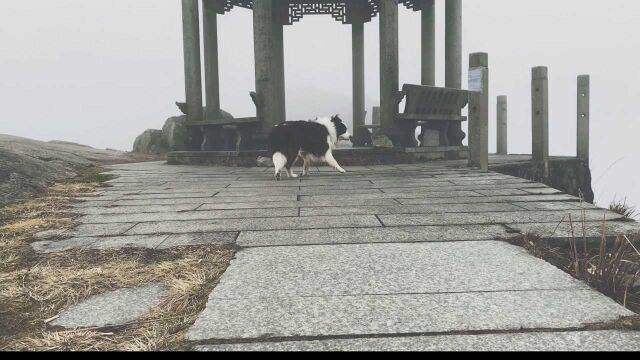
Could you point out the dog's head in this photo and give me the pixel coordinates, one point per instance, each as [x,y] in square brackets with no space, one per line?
[341,129]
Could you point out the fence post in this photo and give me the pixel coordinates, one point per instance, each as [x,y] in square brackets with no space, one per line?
[583,117]
[540,116]
[502,138]
[479,111]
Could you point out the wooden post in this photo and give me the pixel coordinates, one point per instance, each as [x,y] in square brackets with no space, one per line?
[540,116]
[502,138]
[389,68]
[192,63]
[584,114]
[479,111]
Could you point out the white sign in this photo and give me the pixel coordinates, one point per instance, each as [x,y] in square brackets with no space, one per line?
[475,79]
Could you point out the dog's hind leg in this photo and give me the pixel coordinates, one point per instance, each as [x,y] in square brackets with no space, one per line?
[289,165]
[305,167]
[331,161]
[279,162]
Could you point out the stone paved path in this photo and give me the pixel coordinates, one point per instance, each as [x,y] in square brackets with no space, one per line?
[405,257]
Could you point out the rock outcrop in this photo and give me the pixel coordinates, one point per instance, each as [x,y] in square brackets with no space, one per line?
[29,166]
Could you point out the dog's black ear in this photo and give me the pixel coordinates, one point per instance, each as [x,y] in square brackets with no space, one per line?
[336,118]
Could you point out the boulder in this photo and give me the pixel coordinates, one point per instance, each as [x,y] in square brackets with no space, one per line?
[174,136]
[176,133]
[150,142]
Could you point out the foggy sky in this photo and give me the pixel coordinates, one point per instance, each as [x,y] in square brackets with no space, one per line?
[100,72]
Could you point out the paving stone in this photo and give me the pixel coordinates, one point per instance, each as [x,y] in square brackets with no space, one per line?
[112,308]
[407,209]
[119,242]
[501,192]
[189,215]
[184,190]
[90,230]
[304,183]
[136,209]
[294,204]
[180,227]
[516,217]
[489,199]
[551,205]
[176,196]
[613,341]
[55,234]
[541,191]
[263,317]
[62,245]
[423,195]
[372,235]
[257,192]
[215,238]
[100,199]
[234,198]
[381,269]
[210,200]
[403,188]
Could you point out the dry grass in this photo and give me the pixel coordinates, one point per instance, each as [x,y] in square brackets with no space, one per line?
[34,288]
[64,279]
[622,208]
[612,267]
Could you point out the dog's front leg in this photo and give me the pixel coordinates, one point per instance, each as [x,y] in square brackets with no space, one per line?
[333,163]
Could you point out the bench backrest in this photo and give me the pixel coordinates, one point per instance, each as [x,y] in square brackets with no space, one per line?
[433,100]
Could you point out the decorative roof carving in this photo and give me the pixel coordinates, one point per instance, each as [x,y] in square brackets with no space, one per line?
[345,11]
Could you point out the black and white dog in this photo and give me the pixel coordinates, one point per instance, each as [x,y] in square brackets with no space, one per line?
[310,140]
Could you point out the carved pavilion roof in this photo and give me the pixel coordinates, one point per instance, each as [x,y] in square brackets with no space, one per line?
[345,11]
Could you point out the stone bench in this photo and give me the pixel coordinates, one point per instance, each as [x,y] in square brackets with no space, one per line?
[434,109]
[226,133]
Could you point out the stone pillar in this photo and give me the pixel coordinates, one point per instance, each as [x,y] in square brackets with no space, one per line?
[389,68]
[540,115]
[357,44]
[479,111]
[278,38]
[453,44]
[584,114]
[453,57]
[428,43]
[269,62]
[502,116]
[192,64]
[211,75]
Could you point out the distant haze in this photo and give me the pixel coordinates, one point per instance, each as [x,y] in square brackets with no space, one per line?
[100,72]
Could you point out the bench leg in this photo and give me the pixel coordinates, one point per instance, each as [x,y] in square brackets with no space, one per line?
[409,130]
[455,135]
[444,135]
[360,137]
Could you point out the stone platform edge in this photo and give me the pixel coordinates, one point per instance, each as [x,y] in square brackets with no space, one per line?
[345,156]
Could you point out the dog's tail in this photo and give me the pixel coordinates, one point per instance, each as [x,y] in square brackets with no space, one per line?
[264,161]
